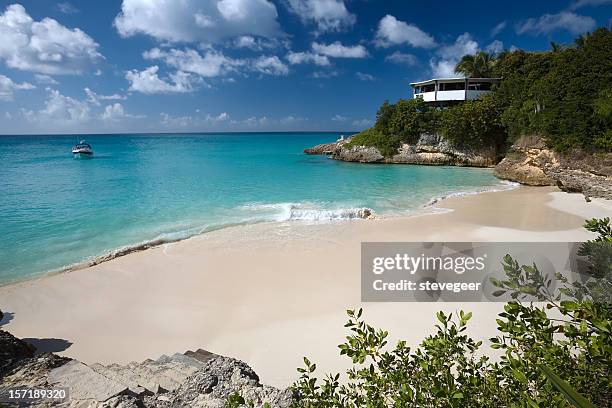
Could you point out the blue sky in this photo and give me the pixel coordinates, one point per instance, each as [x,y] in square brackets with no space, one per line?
[247,65]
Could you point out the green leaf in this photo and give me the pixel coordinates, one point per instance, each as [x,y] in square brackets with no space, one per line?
[570,394]
[519,376]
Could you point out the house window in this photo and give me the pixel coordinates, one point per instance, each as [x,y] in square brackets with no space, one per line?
[480,86]
[429,88]
[452,86]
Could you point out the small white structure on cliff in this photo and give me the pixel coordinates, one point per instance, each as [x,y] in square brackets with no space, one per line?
[446,91]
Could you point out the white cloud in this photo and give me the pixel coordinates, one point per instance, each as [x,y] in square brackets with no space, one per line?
[67,8]
[211,64]
[392,31]
[364,77]
[443,68]
[307,57]
[574,23]
[463,45]
[495,47]
[339,118]
[582,3]
[402,58]
[327,15]
[258,43]
[8,87]
[270,66]
[45,79]
[324,74]
[193,121]
[362,123]
[60,110]
[205,21]
[176,121]
[254,121]
[95,98]
[337,50]
[291,119]
[115,112]
[44,46]
[246,41]
[450,54]
[148,82]
[498,28]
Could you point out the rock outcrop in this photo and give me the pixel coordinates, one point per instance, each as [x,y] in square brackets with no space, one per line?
[525,164]
[325,148]
[12,351]
[193,379]
[530,162]
[431,149]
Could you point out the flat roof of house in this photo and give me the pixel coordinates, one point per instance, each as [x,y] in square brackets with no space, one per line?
[455,79]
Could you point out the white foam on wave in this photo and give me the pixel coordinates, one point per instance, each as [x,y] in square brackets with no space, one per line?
[504,185]
[281,212]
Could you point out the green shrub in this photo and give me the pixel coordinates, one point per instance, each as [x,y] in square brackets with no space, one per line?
[402,122]
[547,361]
[474,123]
[387,145]
[560,94]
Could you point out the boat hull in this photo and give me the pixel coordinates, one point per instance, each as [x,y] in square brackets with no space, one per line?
[82,155]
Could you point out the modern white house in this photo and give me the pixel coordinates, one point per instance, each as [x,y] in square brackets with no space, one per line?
[446,91]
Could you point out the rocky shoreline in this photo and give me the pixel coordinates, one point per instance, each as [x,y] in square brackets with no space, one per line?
[528,162]
[192,379]
[430,149]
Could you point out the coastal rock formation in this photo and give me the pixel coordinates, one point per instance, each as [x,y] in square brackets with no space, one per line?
[431,149]
[12,350]
[325,148]
[194,379]
[530,162]
[525,164]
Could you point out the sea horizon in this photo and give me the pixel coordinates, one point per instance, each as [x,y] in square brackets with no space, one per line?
[352,132]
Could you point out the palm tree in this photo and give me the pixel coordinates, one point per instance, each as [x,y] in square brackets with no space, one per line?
[479,65]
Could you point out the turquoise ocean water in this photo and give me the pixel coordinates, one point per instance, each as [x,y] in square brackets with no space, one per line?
[56,211]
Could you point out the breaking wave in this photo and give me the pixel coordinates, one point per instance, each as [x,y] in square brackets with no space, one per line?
[305,212]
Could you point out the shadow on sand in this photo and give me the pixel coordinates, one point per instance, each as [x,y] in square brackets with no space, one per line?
[6,317]
[50,345]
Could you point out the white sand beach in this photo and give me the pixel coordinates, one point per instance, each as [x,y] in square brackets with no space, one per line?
[271,293]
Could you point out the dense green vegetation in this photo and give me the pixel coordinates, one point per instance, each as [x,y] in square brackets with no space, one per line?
[474,123]
[563,95]
[479,65]
[556,353]
[401,122]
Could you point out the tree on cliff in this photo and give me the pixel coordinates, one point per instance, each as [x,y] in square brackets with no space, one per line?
[479,65]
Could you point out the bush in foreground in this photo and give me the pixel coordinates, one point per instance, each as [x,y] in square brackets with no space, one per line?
[559,361]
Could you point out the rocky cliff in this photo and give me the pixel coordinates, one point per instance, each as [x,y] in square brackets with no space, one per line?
[431,149]
[193,379]
[530,162]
